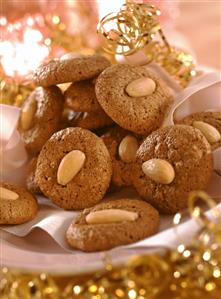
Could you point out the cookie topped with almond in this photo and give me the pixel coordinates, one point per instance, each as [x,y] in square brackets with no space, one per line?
[74,169]
[17,205]
[40,117]
[134,97]
[122,146]
[111,224]
[209,123]
[170,163]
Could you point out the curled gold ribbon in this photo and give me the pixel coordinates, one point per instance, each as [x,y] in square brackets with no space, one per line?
[136,27]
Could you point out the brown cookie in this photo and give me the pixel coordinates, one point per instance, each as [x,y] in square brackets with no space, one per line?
[40,117]
[134,97]
[171,162]
[207,117]
[111,224]
[91,120]
[17,205]
[74,169]
[31,183]
[66,118]
[122,146]
[80,97]
[70,70]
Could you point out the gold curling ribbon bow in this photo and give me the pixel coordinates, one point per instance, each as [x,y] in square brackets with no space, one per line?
[134,27]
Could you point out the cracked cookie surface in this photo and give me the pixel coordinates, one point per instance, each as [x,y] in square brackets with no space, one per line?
[18,210]
[69,70]
[89,185]
[188,152]
[142,114]
[45,120]
[97,237]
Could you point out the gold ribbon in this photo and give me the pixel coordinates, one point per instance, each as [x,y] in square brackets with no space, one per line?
[136,27]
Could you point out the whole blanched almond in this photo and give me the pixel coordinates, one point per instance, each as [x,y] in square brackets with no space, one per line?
[110,216]
[64,86]
[27,115]
[159,170]
[7,194]
[70,55]
[127,148]
[141,87]
[69,166]
[210,132]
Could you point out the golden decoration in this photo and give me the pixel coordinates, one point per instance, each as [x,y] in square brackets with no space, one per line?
[14,92]
[59,37]
[136,27]
[188,271]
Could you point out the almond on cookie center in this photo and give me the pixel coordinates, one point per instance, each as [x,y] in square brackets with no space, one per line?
[141,87]
[7,194]
[69,166]
[110,216]
[209,131]
[127,149]
[27,115]
[159,170]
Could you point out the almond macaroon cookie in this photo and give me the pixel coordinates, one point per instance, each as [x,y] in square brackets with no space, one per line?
[209,123]
[122,146]
[134,97]
[170,163]
[91,120]
[81,97]
[40,117]
[69,69]
[114,223]
[31,183]
[74,169]
[17,205]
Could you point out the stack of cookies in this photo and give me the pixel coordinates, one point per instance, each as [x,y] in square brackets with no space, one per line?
[103,133]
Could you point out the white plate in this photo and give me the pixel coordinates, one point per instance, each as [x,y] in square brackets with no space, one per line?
[24,254]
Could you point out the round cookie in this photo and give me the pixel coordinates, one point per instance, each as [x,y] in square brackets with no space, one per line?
[209,117]
[122,146]
[142,111]
[88,236]
[170,163]
[74,169]
[31,183]
[17,205]
[80,97]
[69,70]
[91,120]
[40,117]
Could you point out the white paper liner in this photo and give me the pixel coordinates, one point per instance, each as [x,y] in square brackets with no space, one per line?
[13,156]
[202,94]
[55,222]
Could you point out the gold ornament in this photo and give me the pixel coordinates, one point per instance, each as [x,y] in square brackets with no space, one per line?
[13,92]
[59,37]
[134,28]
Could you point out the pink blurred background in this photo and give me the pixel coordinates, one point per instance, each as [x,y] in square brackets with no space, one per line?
[198,20]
